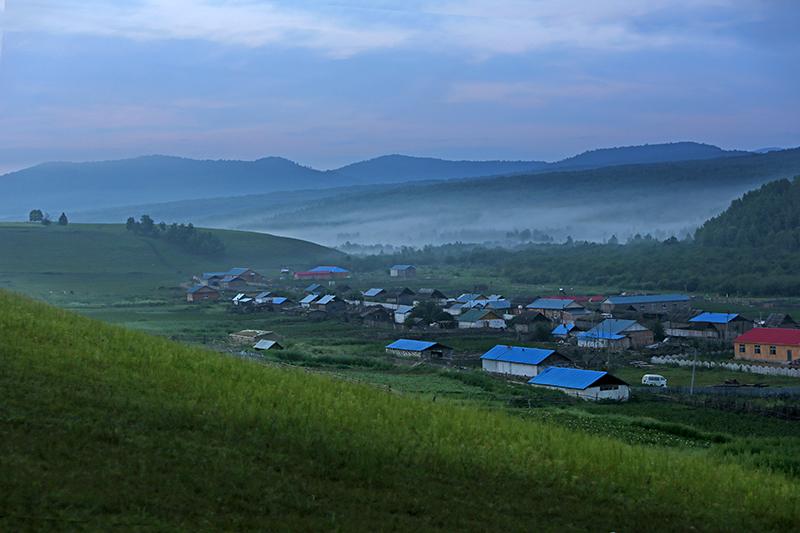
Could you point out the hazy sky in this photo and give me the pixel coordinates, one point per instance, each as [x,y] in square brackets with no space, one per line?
[326,83]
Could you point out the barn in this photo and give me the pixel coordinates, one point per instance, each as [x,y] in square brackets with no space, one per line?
[201,293]
[584,384]
[403,271]
[521,361]
[413,348]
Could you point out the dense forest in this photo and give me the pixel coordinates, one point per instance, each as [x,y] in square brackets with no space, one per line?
[750,249]
[768,217]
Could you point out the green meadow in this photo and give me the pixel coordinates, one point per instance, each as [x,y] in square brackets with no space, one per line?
[102,427]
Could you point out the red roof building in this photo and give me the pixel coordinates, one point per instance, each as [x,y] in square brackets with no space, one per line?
[776,345]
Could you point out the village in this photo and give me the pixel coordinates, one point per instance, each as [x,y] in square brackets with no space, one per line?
[582,332]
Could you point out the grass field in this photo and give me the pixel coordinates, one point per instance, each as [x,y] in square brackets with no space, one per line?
[105,263]
[105,427]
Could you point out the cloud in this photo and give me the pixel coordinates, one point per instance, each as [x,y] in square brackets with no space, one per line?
[533,94]
[243,23]
[478,27]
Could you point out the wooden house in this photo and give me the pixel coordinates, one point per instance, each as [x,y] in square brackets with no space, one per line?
[528,321]
[557,309]
[647,304]
[418,349]
[399,296]
[616,334]
[329,304]
[775,345]
[202,293]
[713,326]
[403,271]
[481,318]
[780,320]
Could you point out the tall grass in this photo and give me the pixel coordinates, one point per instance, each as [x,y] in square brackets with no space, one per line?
[102,425]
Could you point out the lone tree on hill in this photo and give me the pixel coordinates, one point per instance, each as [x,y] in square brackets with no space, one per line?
[62,220]
[35,215]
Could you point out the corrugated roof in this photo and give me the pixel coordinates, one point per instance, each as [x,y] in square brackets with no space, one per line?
[403,309]
[469,296]
[556,304]
[517,354]
[402,267]
[262,295]
[265,344]
[568,378]
[331,269]
[237,271]
[784,336]
[308,299]
[600,335]
[474,315]
[613,325]
[207,275]
[647,299]
[279,300]
[563,329]
[414,346]
[328,298]
[375,291]
[196,288]
[714,318]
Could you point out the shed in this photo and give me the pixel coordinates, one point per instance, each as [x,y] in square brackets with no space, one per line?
[521,361]
[584,384]
[414,348]
[402,313]
[267,345]
[403,271]
[374,292]
[308,300]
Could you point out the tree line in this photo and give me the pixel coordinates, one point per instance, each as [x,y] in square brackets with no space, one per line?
[185,236]
[37,215]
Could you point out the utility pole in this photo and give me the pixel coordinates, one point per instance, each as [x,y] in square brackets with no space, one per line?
[694,364]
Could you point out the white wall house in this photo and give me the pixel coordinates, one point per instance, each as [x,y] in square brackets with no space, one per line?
[520,361]
[584,384]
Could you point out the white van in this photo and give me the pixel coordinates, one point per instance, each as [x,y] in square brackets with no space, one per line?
[654,380]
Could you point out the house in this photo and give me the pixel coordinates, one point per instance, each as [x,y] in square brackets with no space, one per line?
[470,296]
[329,304]
[616,334]
[403,271]
[399,296]
[262,297]
[202,293]
[713,326]
[267,345]
[377,315]
[402,313]
[481,318]
[521,361]
[323,272]
[456,309]
[251,336]
[373,293]
[563,331]
[248,275]
[412,348]
[775,345]
[308,300]
[584,384]
[651,304]
[557,309]
[279,303]
[239,275]
[527,322]
[434,295]
[314,288]
[780,320]
[234,283]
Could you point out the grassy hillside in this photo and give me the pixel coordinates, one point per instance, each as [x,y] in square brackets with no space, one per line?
[106,257]
[103,427]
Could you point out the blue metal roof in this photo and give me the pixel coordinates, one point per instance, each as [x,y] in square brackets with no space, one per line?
[402,267]
[196,288]
[237,271]
[647,299]
[568,378]
[468,297]
[373,291]
[412,345]
[208,275]
[556,304]
[308,299]
[517,354]
[563,329]
[332,269]
[600,335]
[498,304]
[328,298]
[612,325]
[279,300]
[714,318]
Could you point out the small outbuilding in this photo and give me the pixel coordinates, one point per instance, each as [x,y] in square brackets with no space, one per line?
[264,345]
[521,361]
[403,271]
[414,348]
[584,384]
[251,336]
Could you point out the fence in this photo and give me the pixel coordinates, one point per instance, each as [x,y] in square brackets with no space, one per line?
[684,361]
[753,392]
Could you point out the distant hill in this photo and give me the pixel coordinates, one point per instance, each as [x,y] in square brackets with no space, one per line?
[115,429]
[766,217]
[664,199]
[648,153]
[407,168]
[72,187]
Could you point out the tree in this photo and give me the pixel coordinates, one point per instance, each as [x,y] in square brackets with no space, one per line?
[658,331]
[130,224]
[62,220]
[36,215]
[46,220]
[613,240]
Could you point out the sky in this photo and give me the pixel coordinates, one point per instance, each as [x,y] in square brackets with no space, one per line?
[327,83]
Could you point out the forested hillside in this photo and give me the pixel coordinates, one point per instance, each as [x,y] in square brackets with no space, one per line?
[766,217]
